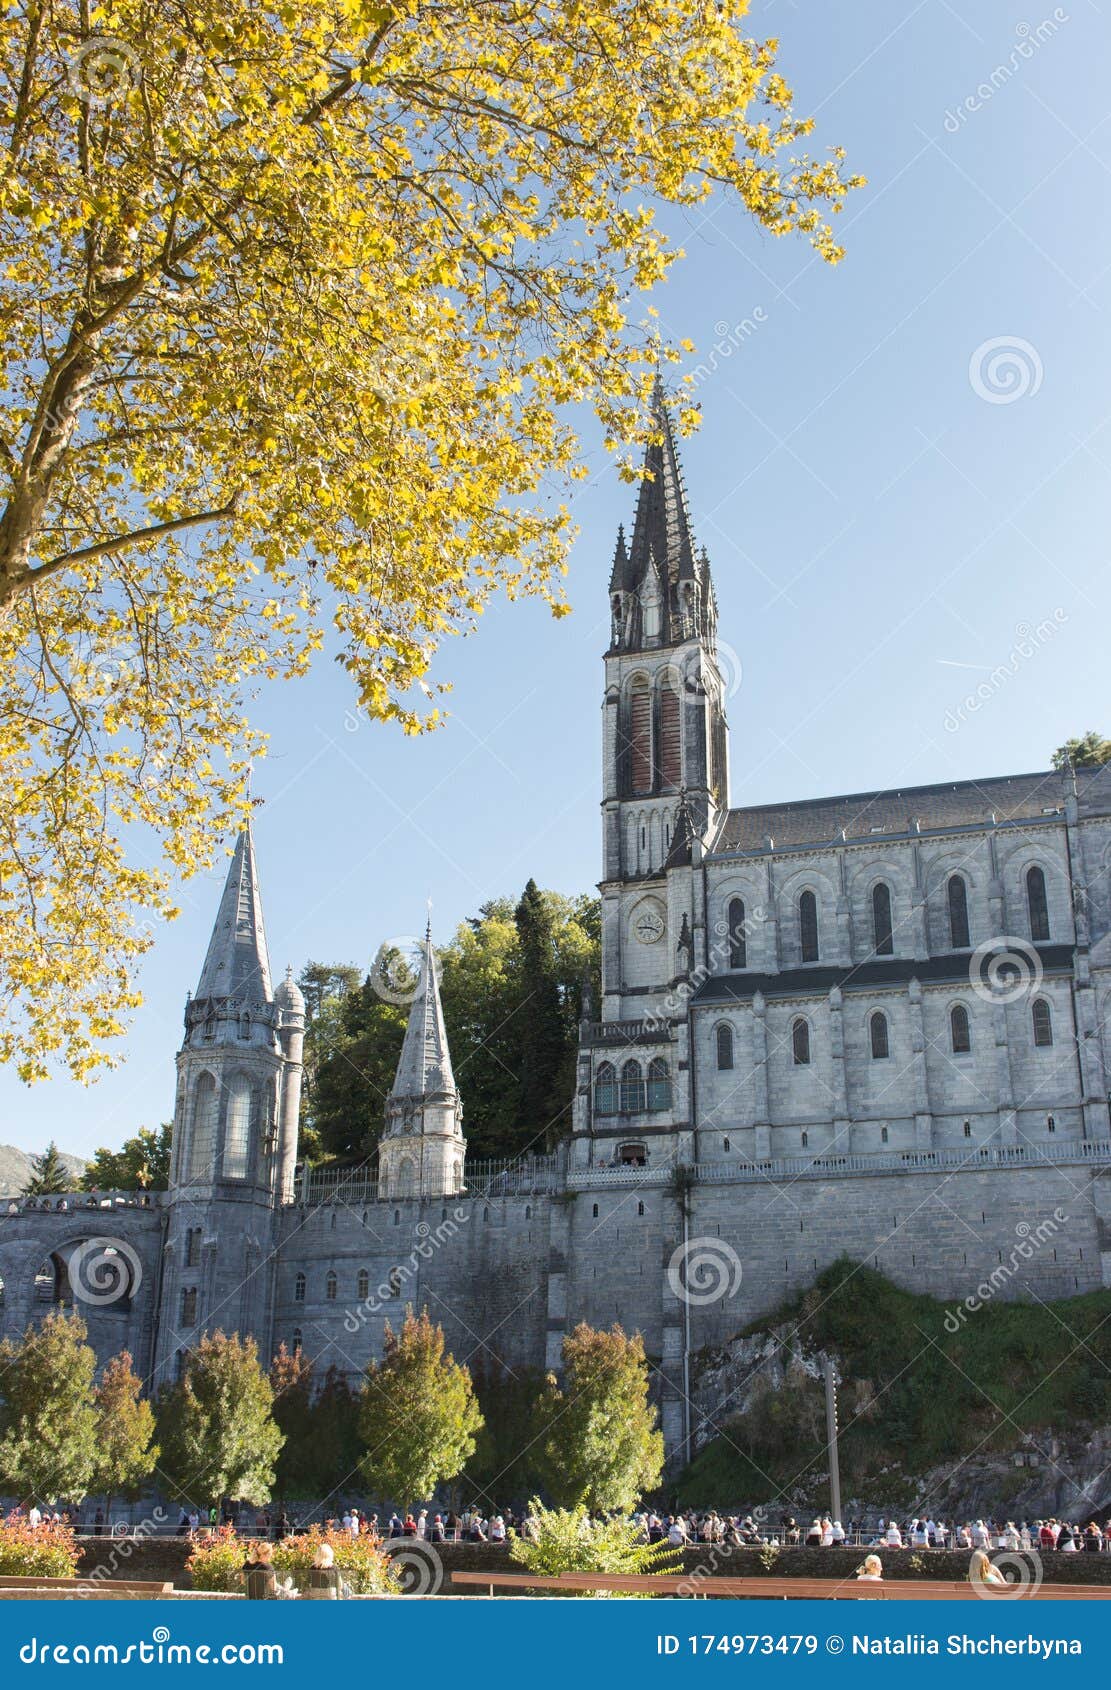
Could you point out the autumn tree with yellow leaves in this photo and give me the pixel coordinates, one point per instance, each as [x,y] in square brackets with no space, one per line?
[295,301]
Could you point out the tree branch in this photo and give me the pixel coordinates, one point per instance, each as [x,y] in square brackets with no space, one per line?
[135,538]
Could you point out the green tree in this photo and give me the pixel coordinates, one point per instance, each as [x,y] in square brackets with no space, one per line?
[216,1426]
[506,1458]
[126,1453]
[49,1174]
[291,1380]
[141,1163]
[419,1414]
[569,1541]
[543,1053]
[600,1446]
[48,1421]
[1090,751]
[352,1048]
[489,991]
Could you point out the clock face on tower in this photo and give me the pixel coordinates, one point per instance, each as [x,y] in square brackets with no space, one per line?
[648,926]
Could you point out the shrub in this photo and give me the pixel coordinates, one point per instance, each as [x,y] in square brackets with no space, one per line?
[567,1540]
[359,1559]
[49,1551]
[217,1560]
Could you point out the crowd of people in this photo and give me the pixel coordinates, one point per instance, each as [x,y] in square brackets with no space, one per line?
[890,1533]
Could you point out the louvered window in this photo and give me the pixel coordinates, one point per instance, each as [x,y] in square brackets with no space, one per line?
[640,740]
[671,768]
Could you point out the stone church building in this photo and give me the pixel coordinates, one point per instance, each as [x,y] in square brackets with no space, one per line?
[872,1025]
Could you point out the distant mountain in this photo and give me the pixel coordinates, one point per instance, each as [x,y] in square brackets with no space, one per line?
[16,1170]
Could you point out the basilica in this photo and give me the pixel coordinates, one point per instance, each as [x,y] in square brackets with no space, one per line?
[871,1025]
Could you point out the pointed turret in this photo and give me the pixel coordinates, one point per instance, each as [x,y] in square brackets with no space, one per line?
[421,1152]
[425,1064]
[237,965]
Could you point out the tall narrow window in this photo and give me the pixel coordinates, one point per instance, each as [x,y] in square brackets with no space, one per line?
[738,944]
[363,1285]
[193,1247]
[659,1084]
[299,1288]
[877,1028]
[725,1047]
[1036,903]
[331,1285]
[632,1089]
[958,913]
[960,1036]
[203,1139]
[640,738]
[237,1133]
[882,936]
[800,1043]
[671,765]
[189,1306]
[808,927]
[1043,1022]
[298,1341]
[605,1090]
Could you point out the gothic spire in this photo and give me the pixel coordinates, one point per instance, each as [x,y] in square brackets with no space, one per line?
[424,1067]
[237,965]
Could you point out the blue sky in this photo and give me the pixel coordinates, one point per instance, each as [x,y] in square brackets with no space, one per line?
[901,477]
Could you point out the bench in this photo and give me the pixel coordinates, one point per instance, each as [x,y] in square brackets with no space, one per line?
[87,1586]
[778,1589]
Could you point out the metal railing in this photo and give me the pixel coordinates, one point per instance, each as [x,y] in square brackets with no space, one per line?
[359,1184]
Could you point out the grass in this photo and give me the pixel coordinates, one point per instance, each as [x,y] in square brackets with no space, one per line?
[914,1392]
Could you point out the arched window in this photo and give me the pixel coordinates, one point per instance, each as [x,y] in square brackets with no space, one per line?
[877,1028]
[671,766]
[968,1129]
[738,944]
[725,1047]
[244,1026]
[605,1090]
[331,1286]
[640,738]
[1036,903]
[958,913]
[632,1089]
[808,927]
[882,936]
[298,1341]
[632,1156]
[800,1042]
[883,1135]
[960,1034]
[364,1285]
[299,1288]
[202,1142]
[189,1306]
[659,1084]
[237,1133]
[1050,1124]
[805,1141]
[1043,1022]
[193,1246]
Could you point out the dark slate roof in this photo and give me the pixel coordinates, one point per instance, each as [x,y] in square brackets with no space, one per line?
[861,976]
[965,803]
[662,526]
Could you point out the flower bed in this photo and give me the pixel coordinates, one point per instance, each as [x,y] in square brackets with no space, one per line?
[217,1560]
[26,1552]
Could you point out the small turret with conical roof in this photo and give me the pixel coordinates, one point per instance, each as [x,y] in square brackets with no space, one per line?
[421,1153]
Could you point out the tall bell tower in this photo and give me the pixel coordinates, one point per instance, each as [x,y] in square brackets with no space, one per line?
[665,787]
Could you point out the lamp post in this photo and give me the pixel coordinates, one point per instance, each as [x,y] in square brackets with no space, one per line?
[831,1437]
